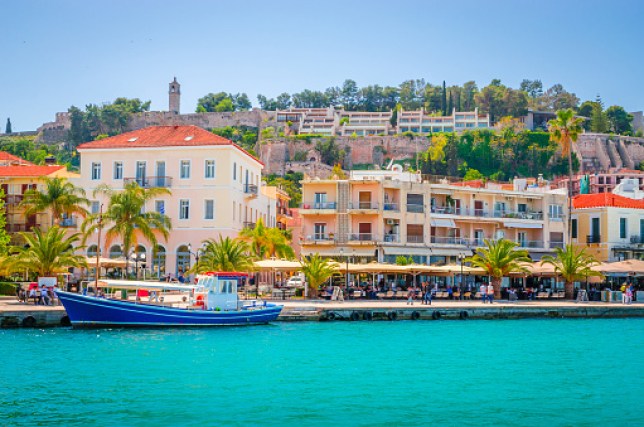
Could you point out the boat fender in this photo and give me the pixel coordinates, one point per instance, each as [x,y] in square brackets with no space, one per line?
[436,315]
[415,315]
[355,316]
[161,299]
[64,321]
[29,322]
[392,315]
[331,316]
[367,315]
[464,315]
[184,299]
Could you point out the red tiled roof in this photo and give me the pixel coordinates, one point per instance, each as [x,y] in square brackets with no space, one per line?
[163,136]
[605,199]
[28,170]
[6,157]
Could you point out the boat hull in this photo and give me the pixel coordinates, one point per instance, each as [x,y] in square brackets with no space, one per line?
[88,311]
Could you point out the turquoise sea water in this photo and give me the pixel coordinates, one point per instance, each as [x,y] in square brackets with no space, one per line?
[523,372]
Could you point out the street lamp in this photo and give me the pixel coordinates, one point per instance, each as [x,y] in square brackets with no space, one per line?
[196,254]
[346,272]
[135,257]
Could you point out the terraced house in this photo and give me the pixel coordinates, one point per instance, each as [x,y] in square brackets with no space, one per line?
[379,215]
[216,188]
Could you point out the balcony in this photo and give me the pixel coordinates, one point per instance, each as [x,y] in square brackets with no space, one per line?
[556,245]
[363,206]
[415,239]
[13,199]
[530,244]
[361,238]
[392,238]
[443,240]
[414,208]
[636,240]
[391,207]
[250,190]
[319,239]
[71,222]
[311,206]
[151,181]
[518,215]
[593,239]
[448,210]
[16,228]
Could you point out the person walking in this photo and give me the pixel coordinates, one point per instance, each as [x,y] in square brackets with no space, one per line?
[629,294]
[483,292]
[623,289]
[490,293]
[411,293]
[427,297]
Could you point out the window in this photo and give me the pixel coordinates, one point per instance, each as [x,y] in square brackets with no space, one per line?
[210,169]
[159,206]
[573,228]
[235,171]
[95,206]
[184,209]
[118,170]
[320,231]
[96,171]
[622,228]
[140,173]
[185,169]
[555,211]
[209,209]
[415,203]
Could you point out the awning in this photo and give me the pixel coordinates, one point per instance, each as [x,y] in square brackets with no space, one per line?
[330,252]
[522,225]
[441,222]
[406,251]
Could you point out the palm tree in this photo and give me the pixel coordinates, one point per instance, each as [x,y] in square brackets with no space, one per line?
[225,254]
[317,271]
[572,264]
[267,242]
[46,252]
[126,216]
[59,196]
[564,130]
[499,258]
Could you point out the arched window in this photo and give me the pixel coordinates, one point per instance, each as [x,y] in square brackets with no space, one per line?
[158,261]
[91,251]
[116,251]
[183,259]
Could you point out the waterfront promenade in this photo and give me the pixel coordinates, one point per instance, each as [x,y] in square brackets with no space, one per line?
[15,314]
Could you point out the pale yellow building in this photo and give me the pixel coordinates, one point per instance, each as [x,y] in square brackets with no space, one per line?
[379,215]
[216,188]
[610,226]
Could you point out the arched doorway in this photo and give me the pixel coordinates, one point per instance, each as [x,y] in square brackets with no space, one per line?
[158,261]
[183,259]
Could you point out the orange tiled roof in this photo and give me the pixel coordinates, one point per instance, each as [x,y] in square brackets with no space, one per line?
[6,157]
[28,170]
[163,136]
[605,199]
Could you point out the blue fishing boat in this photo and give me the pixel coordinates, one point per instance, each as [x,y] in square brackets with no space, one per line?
[213,301]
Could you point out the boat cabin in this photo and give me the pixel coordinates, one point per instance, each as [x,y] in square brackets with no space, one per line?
[220,289]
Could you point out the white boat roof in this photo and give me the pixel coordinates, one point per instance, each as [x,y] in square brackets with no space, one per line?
[139,284]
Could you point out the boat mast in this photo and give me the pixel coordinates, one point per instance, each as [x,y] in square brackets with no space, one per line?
[98,247]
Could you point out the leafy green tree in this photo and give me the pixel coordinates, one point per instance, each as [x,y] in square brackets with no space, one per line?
[4,236]
[225,254]
[226,104]
[7,129]
[499,259]
[125,216]
[534,88]
[291,183]
[266,242]
[222,102]
[403,260]
[572,264]
[317,271]
[472,175]
[59,196]
[619,120]
[564,130]
[46,252]
[329,152]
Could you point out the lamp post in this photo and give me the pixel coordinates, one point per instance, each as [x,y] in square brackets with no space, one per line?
[196,254]
[346,272]
[143,259]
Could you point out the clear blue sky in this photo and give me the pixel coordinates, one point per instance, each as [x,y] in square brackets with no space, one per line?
[61,53]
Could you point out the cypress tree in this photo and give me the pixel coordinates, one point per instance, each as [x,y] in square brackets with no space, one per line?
[8,127]
[450,105]
[444,100]
[598,120]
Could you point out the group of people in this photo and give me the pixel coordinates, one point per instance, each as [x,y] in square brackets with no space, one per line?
[487,293]
[627,292]
[44,296]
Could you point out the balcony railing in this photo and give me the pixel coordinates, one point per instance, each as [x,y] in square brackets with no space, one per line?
[415,208]
[151,181]
[392,207]
[414,239]
[530,244]
[392,238]
[363,205]
[361,237]
[319,237]
[250,189]
[249,225]
[13,199]
[593,238]
[449,240]
[557,244]
[71,222]
[15,228]
[518,215]
[321,205]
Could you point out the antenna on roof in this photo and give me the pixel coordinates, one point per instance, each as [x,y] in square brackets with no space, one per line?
[391,162]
